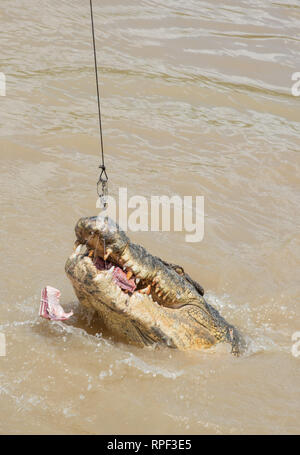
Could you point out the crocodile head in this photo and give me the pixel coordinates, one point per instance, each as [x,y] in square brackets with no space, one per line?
[140,297]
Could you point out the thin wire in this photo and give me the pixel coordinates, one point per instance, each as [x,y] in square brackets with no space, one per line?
[97,85]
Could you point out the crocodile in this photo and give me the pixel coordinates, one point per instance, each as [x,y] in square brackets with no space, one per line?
[141,298]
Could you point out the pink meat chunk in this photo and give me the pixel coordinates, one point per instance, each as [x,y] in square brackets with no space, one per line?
[119,276]
[122,281]
[50,307]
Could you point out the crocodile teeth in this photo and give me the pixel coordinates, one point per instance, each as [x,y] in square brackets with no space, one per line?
[146,290]
[129,275]
[110,271]
[79,248]
[76,245]
[107,254]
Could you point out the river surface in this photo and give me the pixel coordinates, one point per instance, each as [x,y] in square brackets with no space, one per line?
[196,100]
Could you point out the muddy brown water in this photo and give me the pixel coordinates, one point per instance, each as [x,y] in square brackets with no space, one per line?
[196,100]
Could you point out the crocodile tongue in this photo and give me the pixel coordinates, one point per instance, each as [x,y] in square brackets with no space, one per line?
[119,276]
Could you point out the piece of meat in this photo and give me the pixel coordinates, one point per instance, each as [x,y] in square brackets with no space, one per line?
[119,276]
[50,307]
[122,281]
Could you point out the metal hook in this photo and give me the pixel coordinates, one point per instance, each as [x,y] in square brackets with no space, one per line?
[102,187]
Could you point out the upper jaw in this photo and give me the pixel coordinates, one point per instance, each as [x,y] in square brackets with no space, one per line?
[85,227]
[103,235]
[102,226]
[87,234]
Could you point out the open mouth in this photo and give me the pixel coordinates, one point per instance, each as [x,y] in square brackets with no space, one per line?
[123,277]
[125,280]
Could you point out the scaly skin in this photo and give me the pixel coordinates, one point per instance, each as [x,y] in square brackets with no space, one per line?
[174,313]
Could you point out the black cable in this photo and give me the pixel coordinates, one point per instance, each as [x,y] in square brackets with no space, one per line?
[103,176]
